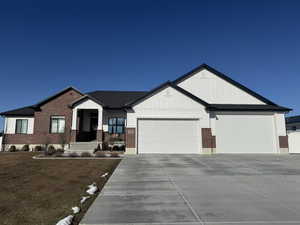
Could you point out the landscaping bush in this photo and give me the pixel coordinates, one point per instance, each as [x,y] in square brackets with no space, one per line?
[99,154]
[114,154]
[115,148]
[38,148]
[105,146]
[98,148]
[73,154]
[86,154]
[12,148]
[122,148]
[25,148]
[58,154]
[50,150]
[60,150]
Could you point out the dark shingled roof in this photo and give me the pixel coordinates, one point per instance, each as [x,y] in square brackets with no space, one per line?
[24,111]
[292,119]
[116,99]
[246,107]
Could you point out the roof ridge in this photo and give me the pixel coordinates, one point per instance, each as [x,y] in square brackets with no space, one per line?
[114,91]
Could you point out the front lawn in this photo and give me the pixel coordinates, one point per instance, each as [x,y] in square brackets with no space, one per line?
[40,192]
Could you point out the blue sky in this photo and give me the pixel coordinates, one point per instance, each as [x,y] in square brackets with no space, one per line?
[46,46]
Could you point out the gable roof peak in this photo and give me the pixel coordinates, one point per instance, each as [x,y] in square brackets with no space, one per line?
[224,77]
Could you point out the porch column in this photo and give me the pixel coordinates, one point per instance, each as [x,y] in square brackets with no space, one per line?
[74,125]
[100,129]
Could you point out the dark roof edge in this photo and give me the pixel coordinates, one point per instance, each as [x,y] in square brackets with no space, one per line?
[224,77]
[56,95]
[188,94]
[241,107]
[134,102]
[11,113]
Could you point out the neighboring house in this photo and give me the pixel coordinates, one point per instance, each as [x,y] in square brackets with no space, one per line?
[293,131]
[203,111]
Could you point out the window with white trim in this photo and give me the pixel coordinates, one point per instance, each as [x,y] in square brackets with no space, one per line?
[21,126]
[57,124]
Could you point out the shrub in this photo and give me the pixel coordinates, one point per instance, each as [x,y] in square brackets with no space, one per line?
[99,154]
[86,154]
[114,154]
[12,148]
[98,148]
[50,150]
[25,148]
[122,148]
[73,155]
[38,148]
[115,148]
[105,146]
[58,154]
[60,150]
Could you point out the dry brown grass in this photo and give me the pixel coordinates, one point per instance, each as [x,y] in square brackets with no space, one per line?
[40,192]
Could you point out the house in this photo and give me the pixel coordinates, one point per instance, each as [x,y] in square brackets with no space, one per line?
[203,111]
[293,131]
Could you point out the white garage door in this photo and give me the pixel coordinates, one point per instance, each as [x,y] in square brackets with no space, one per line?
[245,134]
[294,142]
[169,136]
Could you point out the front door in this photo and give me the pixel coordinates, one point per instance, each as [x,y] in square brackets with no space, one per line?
[93,128]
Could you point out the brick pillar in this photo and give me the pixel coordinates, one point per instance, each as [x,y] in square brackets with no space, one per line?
[284,144]
[73,135]
[208,141]
[130,141]
[99,135]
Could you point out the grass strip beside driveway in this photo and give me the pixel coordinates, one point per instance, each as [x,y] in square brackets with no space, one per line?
[41,192]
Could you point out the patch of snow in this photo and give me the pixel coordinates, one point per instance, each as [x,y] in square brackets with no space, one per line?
[66,221]
[105,175]
[84,198]
[76,209]
[92,189]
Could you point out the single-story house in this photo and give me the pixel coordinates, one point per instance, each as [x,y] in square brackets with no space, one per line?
[293,131]
[203,111]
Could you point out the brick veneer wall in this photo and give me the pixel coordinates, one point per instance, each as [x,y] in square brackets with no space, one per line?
[283,141]
[208,140]
[130,137]
[41,134]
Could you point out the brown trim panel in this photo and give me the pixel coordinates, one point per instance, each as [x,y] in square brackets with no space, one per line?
[208,140]
[283,141]
[130,137]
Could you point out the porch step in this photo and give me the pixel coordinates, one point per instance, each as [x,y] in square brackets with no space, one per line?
[80,147]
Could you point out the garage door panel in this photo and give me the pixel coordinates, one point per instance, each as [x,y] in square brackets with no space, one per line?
[168,136]
[241,134]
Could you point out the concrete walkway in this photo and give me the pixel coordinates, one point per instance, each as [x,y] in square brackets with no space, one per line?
[193,189]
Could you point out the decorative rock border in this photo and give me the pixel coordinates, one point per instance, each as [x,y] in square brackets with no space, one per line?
[67,157]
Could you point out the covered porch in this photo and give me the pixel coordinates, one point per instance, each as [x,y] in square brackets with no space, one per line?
[94,123]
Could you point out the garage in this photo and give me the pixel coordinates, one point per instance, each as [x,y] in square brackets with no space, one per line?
[294,141]
[169,136]
[245,134]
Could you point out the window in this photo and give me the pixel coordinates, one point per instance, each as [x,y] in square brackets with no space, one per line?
[21,126]
[57,124]
[116,125]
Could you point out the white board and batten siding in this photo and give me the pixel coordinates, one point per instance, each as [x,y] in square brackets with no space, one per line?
[215,90]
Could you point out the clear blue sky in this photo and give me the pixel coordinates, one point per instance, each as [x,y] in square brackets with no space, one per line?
[46,46]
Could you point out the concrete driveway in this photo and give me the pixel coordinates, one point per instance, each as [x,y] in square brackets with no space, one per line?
[194,189]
